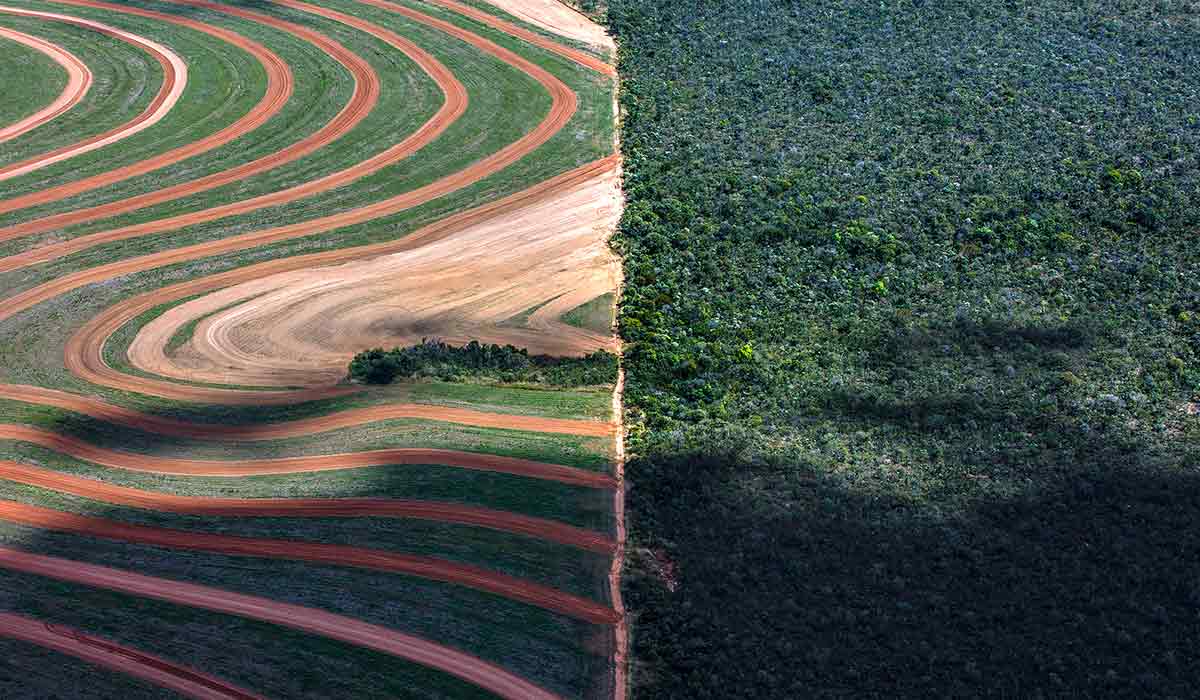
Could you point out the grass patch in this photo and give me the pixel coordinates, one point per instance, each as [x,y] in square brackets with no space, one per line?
[595,315]
[34,80]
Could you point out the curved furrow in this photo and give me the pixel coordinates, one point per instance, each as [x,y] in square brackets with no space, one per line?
[174,80]
[455,105]
[279,91]
[79,80]
[118,657]
[346,629]
[539,528]
[302,328]
[84,354]
[429,568]
[155,464]
[365,98]
[111,413]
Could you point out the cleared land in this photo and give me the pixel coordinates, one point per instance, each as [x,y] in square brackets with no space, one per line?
[182,457]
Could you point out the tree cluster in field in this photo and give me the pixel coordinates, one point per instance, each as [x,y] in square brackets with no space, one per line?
[912,324]
[475,361]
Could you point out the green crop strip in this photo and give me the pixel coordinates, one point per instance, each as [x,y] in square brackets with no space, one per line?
[321,88]
[574,505]
[28,671]
[560,566]
[32,80]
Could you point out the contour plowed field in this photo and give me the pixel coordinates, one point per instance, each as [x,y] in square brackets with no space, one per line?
[192,495]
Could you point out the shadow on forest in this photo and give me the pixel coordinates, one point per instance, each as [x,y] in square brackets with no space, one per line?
[1071,571]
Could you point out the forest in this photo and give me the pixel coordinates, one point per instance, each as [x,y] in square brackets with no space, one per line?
[912,342]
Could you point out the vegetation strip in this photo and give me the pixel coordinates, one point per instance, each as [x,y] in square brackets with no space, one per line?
[539,528]
[120,658]
[469,668]
[174,80]
[79,80]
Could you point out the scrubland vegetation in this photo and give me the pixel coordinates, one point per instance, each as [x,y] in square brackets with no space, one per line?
[912,326]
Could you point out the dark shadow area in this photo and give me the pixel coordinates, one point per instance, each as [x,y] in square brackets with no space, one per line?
[1017,553]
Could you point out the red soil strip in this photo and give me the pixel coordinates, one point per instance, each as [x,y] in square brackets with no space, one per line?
[174,80]
[474,577]
[345,629]
[581,57]
[155,464]
[119,415]
[278,92]
[120,658]
[79,79]
[365,98]
[538,528]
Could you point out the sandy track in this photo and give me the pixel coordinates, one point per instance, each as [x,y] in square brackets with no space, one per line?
[79,79]
[311,620]
[555,16]
[430,568]
[156,464]
[174,81]
[364,99]
[538,528]
[120,658]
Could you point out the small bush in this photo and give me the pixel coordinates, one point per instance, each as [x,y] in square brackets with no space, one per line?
[501,363]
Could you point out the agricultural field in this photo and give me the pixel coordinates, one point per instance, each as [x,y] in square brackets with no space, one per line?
[912,326]
[208,209]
